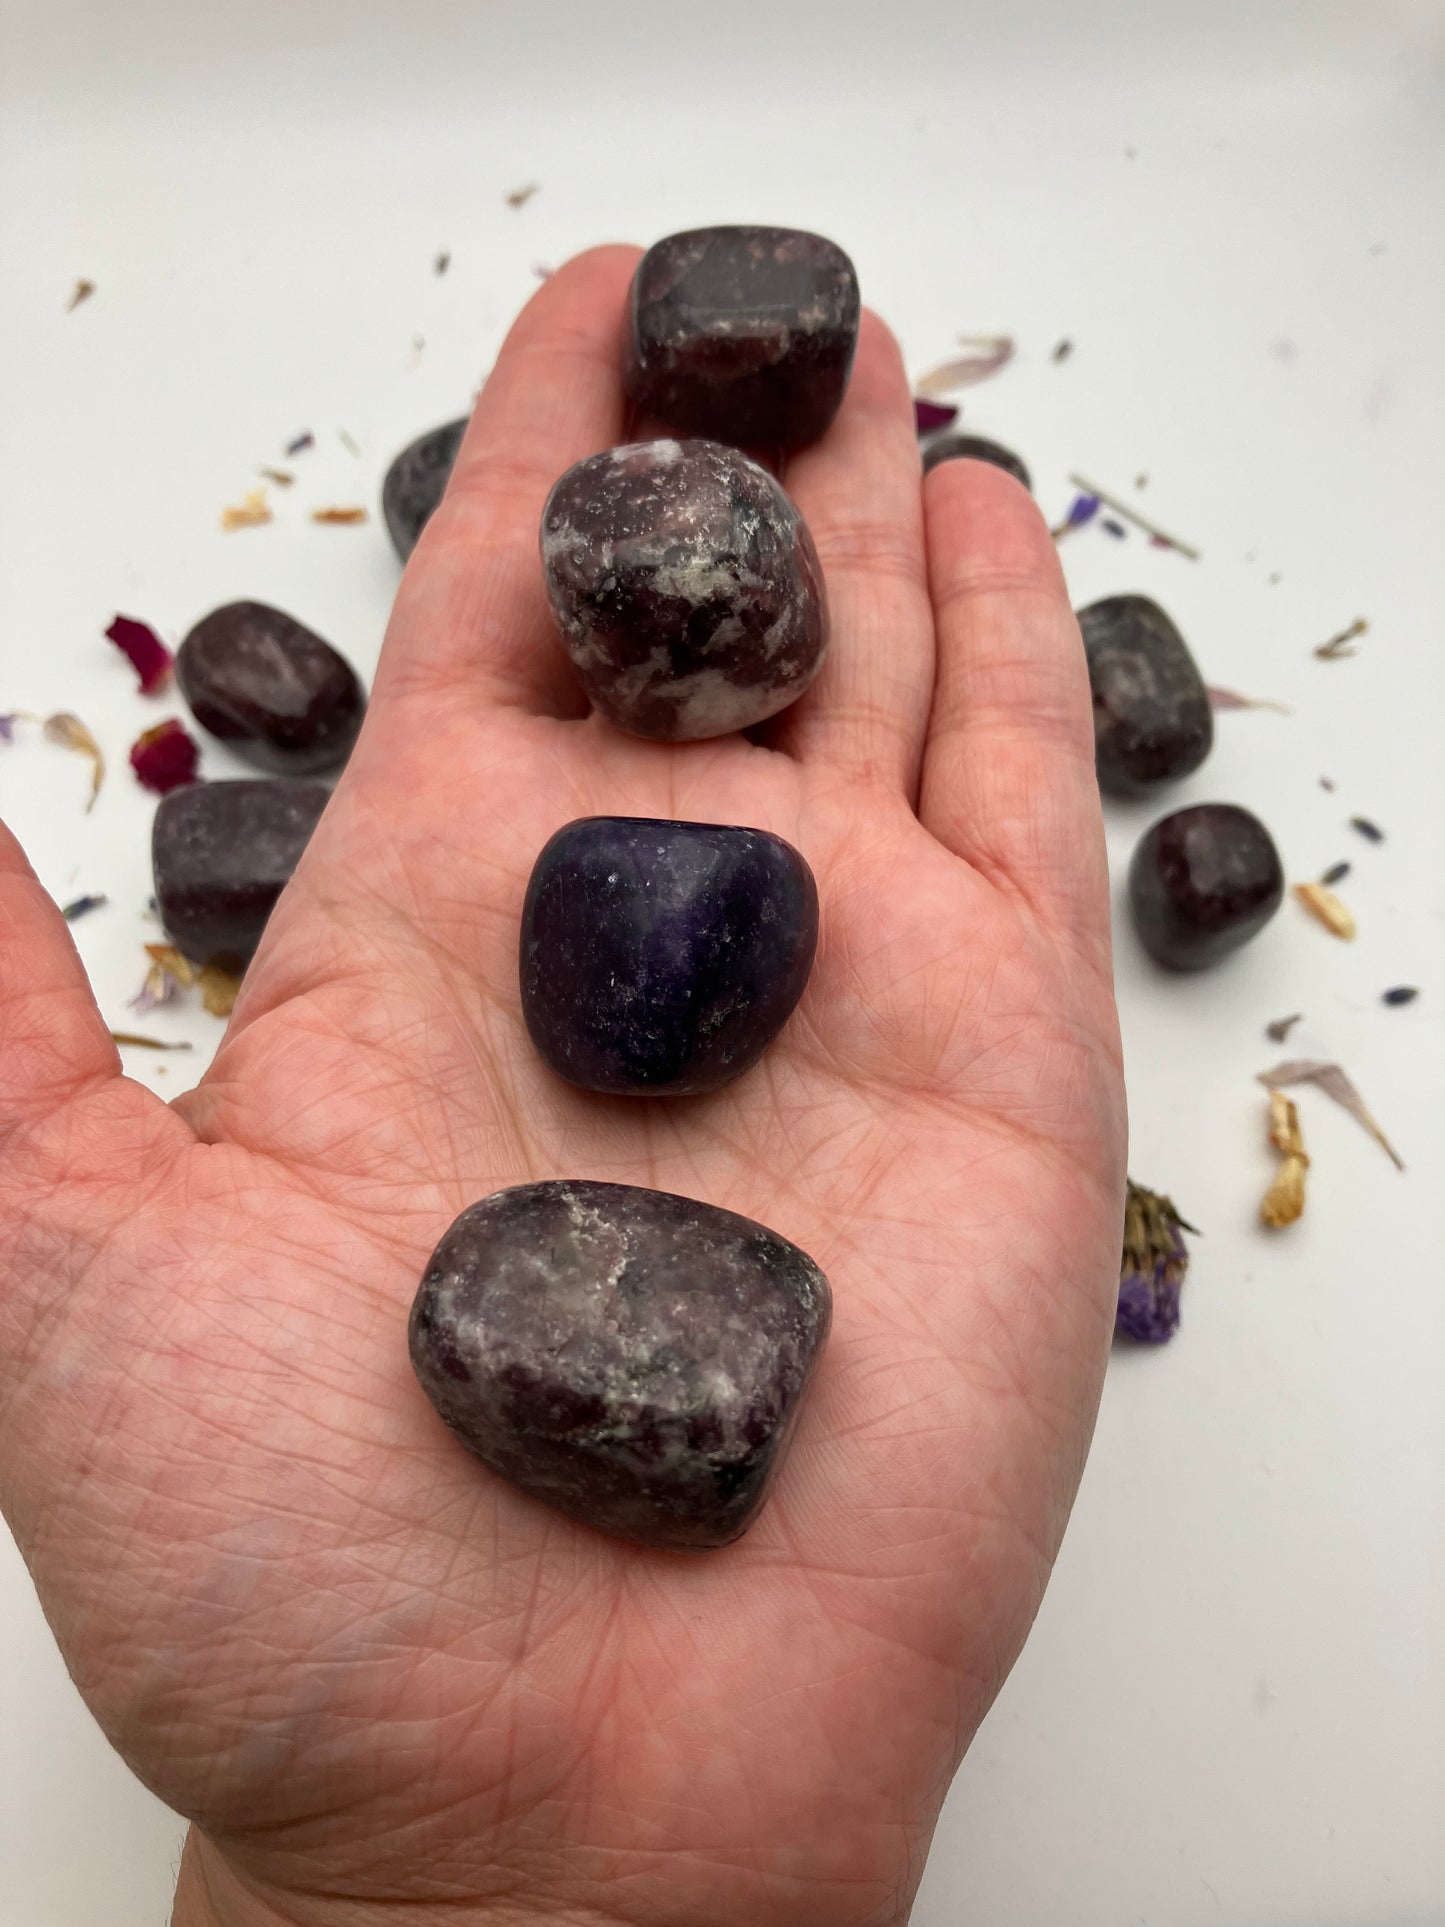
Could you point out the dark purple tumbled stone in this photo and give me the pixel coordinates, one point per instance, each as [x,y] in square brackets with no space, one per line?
[1202,882]
[1152,719]
[686,587]
[660,958]
[975,448]
[633,1358]
[745,334]
[221,854]
[416,482]
[271,688]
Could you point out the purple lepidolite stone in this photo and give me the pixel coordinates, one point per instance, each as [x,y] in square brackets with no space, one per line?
[743,333]
[1202,882]
[686,587]
[630,1357]
[271,688]
[660,958]
[222,853]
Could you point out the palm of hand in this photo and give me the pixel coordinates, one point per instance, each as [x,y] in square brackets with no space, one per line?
[305,1615]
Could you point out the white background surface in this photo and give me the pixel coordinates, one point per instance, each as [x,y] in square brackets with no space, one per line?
[1233,1705]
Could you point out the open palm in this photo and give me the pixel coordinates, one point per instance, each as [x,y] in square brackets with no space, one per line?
[375,1676]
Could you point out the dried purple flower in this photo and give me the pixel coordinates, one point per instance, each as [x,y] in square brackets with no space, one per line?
[1151,1271]
[1082,509]
[928,415]
[82,907]
[1371,832]
[166,757]
[148,655]
[1336,873]
[7,727]
[1401,994]
[299,442]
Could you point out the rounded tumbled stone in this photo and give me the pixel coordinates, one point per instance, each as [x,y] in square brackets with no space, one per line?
[662,958]
[271,689]
[1202,882]
[746,334]
[686,587]
[221,854]
[416,482]
[1152,719]
[633,1358]
[975,448]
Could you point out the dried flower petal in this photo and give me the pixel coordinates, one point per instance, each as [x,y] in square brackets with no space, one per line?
[7,726]
[1339,645]
[1323,904]
[1082,509]
[134,1038]
[169,972]
[1333,1081]
[1156,535]
[71,733]
[1152,1267]
[1282,1026]
[282,477]
[252,512]
[928,415]
[989,354]
[1284,1202]
[166,757]
[1231,699]
[82,291]
[339,517]
[520,196]
[1336,873]
[1371,832]
[299,442]
[1401,994]
[148,655]
[218,990]
[81,907]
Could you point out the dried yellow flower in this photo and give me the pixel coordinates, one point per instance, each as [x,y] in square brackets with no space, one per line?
[1285,1200]
[1324,905]
[254,510]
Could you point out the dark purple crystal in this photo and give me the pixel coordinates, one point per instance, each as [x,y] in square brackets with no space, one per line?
[662,958]
[1202,882]
[416,482]
[975,448]
[1152,718]
[686,587]
[745,334]
[271,688]
[222,853]
[633,1358]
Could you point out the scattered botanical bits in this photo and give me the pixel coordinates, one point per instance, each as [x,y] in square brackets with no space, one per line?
[301,442]
[218,990]
[1401,994]
[82,291]
[252,512]
[7,726]
[1062,350]
[282,477]
[1336,873]
[341,518]
[1284,1202]
[71,733]
[542,271]
[988,353]
[137,1042]
[1333,1081]
[1371,832]
[442,262]
[1328,783]
[1082,509]
[1116,529]
[1152,1268]
[1231,699]
[348,441]
[1156,535]
[148,655]
[1326,908]
[166,757]
[520,196]
[1339,645]
[1141,480]
[167,973]
[82,907]
[1282,1026]
[928,415]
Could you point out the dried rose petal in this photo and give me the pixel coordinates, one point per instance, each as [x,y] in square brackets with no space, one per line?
[166,757]
[928,415]
[148,655]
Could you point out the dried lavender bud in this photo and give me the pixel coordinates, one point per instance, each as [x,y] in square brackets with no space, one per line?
[1151,1271]
[1336,873]
[1371,832]
[1401,994]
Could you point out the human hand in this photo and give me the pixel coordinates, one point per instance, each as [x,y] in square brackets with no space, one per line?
[383,1684]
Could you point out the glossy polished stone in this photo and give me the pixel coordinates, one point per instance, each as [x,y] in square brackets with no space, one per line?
[632,1358]
[416,482]
[686,587]
[660,958]
[271,688]
[1152,720]
[1202,882]
[221,854]
[975,448]
[745,334]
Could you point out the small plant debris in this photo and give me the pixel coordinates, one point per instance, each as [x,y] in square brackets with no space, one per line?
[80,907]
[1326,908]
[1371,832]
[1401,994]
[1339,645]
[1282,1026]
[79,294]
[1284,1202]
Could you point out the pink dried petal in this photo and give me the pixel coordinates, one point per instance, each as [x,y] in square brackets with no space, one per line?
[166,757]
[148,655]
[987,354]
[928,415]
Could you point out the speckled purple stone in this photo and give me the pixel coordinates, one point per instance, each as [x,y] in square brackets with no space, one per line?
[975,448]
[271,688]
[746,334]
[416,482]
[632,1358]
[661,958]
[686,587]
[1202,882]
[1152,719]
[221,854]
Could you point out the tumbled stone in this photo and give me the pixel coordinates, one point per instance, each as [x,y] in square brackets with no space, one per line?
[1202,882]
[416,482]
[975,448]
[271,689]
[686,587]
[662,958]
[633,1358]
[745,334]
[1152,720]
[221,854]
